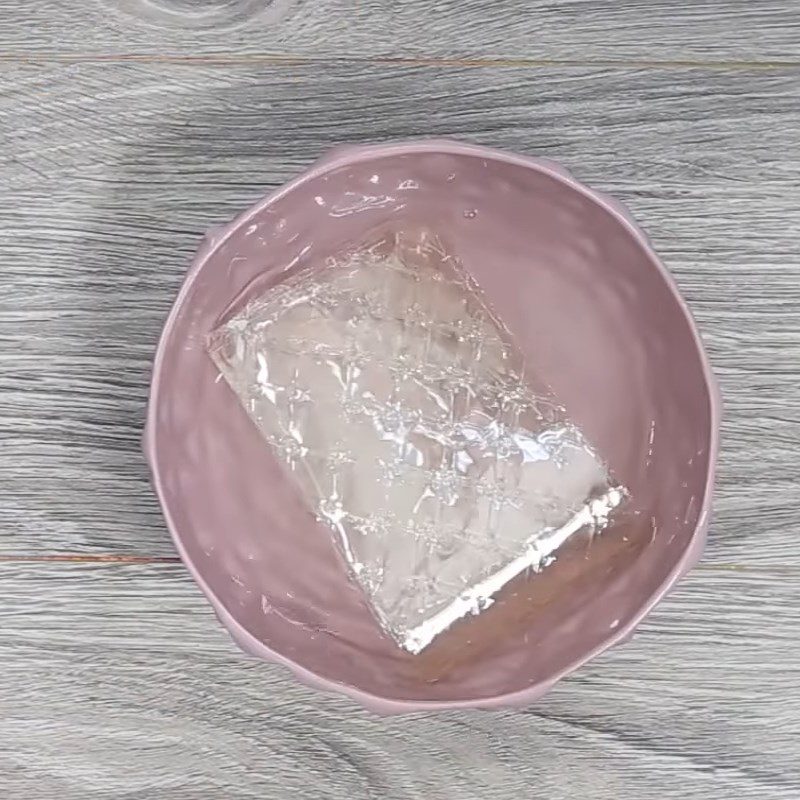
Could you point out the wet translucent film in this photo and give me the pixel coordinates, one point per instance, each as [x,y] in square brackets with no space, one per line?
[402,408]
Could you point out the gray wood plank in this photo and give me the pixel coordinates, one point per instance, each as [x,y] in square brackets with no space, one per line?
[573,30]
[110,173]
[117,682]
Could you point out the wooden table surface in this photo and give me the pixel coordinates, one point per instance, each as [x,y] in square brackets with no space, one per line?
[128,127]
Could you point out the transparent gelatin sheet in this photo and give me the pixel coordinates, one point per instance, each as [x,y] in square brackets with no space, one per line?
[403,410]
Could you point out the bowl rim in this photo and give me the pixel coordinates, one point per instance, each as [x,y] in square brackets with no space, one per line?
[350,154]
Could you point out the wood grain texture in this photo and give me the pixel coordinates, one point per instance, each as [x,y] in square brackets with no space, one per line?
[122,140]
[113,172]
[118,683]
[574,31]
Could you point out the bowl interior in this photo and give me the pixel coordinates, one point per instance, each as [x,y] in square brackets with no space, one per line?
[597,319]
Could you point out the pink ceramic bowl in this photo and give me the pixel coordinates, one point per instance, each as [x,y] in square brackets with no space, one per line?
[598,317]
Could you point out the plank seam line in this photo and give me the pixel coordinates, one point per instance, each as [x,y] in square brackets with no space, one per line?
[290,61]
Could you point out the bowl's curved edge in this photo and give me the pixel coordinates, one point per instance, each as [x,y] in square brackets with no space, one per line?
[338,156]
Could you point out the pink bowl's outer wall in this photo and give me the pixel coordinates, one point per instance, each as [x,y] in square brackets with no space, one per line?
[158,421]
